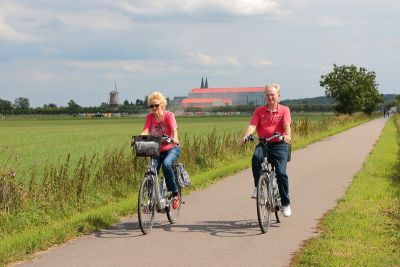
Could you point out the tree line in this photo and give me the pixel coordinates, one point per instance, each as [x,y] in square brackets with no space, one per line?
[21,105]
[348,88]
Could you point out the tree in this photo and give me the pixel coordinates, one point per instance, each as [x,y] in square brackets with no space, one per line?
[73,108]
[5,107]
[353,89]
[21,104]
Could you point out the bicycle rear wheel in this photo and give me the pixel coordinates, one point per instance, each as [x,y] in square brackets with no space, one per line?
[172,214]
[264,203]
[146,205]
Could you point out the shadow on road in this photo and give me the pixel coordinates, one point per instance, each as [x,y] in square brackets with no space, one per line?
[214,228]
[123,230]
[220,228]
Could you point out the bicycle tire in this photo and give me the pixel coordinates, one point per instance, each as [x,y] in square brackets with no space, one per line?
[264,203]
[146,205]
[277,201]
[173,214]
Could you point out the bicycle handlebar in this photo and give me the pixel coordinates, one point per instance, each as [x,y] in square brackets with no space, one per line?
[167,138]
[252,138]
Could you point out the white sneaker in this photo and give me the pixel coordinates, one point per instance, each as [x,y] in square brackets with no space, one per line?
[286,211]
[254,195]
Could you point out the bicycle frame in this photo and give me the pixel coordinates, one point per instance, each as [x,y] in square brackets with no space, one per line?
[156,194]
[270,170]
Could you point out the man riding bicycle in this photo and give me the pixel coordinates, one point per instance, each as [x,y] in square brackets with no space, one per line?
[268,120]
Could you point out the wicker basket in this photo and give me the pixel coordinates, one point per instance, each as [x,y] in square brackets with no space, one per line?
[147,145]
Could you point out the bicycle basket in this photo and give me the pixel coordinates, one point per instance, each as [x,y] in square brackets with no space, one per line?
[182,175]
[147,145]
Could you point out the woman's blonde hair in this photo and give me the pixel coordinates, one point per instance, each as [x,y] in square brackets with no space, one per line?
[158,96]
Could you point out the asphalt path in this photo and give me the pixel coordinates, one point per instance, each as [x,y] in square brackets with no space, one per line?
[218,225]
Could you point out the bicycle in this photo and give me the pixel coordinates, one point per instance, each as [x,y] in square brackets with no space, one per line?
[268,197]
[153,195]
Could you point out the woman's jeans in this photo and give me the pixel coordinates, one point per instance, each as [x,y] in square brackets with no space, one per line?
[166,160]
[278,156]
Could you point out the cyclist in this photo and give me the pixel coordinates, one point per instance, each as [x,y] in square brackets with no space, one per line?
[268,119]
[161,122]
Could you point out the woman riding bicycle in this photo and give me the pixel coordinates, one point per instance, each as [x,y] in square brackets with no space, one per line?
[161,122]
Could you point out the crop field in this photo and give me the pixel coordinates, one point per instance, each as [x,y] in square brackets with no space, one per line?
[28,144]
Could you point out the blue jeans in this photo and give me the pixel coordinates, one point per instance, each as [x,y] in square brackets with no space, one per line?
[278,156]
[166,160]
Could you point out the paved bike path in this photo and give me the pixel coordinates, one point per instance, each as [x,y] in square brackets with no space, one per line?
[218,226]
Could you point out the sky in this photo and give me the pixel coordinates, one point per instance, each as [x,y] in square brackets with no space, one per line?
[54,51]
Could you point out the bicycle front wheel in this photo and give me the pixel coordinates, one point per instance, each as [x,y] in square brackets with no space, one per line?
[264,203]
[146,205]
[172,214]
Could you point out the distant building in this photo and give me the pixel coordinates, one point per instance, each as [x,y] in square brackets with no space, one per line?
[206,102]
[208,97]
[177,102]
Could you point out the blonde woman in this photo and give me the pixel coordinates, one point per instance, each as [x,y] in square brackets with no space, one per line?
[159,122]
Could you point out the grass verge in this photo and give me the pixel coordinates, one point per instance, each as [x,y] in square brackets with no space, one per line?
[364,229]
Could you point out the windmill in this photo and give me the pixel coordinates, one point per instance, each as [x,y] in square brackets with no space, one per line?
[113,101]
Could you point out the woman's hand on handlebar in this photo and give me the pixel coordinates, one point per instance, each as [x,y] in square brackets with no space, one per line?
[169,139]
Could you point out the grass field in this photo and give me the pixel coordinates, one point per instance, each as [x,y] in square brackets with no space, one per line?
[32,143]
[28,144]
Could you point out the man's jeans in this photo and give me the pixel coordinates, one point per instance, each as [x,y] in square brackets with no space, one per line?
[167,159]
[278,153]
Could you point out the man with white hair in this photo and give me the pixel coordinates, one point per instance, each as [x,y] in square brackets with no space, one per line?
[267,120]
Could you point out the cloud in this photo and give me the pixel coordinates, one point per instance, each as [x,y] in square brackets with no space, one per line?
[232,60]
[190,7]
[330,21]
[260,63]
[7,33]
[96,20]
[201,58]
[121,66]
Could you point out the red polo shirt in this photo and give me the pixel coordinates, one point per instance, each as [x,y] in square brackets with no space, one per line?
[163,127]
[267,122]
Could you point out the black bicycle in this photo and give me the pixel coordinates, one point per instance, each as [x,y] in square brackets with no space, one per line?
[268,197]
[153,194]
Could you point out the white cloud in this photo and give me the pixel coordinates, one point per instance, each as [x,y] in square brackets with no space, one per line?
[261,63]
[96,20]
[201,58]
[330,21]
[231,7]
[121,66]
[7,33]
[233,61]
[208,60]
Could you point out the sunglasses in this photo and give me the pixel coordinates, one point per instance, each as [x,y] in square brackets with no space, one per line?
[154,106]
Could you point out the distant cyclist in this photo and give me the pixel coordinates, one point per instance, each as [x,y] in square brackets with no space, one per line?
[159,122]
[267,120]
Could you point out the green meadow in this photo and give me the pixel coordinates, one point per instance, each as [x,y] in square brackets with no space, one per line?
[29,144]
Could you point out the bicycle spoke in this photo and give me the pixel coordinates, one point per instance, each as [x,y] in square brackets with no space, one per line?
[263,203]
[146,205]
